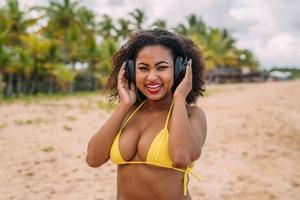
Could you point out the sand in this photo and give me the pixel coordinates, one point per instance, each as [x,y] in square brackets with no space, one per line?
[252,149]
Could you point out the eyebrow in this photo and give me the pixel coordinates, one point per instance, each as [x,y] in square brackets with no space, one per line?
[160,62]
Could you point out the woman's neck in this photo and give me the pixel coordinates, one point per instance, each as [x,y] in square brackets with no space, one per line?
[158,105]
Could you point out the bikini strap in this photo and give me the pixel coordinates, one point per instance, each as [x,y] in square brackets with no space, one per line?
[170,110]
[133,113]
[187,171]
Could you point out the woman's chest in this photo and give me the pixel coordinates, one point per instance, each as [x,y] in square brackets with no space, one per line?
[138,136]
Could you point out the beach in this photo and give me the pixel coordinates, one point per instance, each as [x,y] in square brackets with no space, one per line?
[252,149]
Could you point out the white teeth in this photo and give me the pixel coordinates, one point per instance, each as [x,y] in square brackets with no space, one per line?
[154,86]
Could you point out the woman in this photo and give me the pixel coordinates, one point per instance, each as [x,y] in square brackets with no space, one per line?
[154,135]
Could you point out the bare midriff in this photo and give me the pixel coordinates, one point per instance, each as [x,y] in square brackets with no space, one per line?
[142,181]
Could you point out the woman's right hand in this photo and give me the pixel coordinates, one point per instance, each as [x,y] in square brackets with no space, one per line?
[127,96]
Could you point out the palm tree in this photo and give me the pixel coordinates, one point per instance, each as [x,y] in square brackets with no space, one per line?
[247,59]
[63,19]
[181,29]
[87,18]
[5,53]
[13,25]
[51,64]
[220,49]
[139,18]
[37,48]
[160,23]
[106,27]
[4,67]
[217,45]
[4,29]
[91,53]
[123,29]
[195,29]
[108,48]
[92,56]
[65,76]
[25,69]
[196,25]
[8,57]
[16,22]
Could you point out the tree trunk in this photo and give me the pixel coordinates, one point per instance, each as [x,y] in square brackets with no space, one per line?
[19,83]
[51,82]
[9,88]
[72,83]
[93,82]
[26,85]
[65,53]
[35,80]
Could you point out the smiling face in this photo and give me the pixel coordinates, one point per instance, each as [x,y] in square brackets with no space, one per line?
[155,71]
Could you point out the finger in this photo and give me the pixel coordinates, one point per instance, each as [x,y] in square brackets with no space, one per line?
[121,81]
[121,73]
[187,71]
[124,82]
[132,87]
[191,71]
[122,68]
[125,85]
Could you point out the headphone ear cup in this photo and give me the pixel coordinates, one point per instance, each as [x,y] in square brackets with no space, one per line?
[130,72]
[130,77]
[179,70]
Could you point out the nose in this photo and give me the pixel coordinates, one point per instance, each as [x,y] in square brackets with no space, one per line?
[152,75]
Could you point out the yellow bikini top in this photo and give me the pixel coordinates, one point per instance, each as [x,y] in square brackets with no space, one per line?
[158,153]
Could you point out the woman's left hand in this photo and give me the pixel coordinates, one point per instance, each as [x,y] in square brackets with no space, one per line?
[185,85]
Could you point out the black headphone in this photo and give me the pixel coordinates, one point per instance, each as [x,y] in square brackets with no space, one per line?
[179,72]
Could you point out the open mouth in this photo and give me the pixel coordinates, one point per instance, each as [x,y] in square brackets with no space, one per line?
[153,88]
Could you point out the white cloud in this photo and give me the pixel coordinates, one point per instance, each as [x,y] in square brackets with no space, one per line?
[280,49]
[270,32]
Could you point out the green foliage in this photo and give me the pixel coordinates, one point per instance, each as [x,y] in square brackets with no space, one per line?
[139,18]
[160,23]
[73,50]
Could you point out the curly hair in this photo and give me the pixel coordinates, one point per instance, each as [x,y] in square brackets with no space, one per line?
[179,46]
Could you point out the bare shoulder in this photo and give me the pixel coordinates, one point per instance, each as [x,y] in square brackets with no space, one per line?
[130,111]
[196,112]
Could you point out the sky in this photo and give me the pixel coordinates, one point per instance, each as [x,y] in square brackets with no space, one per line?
[269,28]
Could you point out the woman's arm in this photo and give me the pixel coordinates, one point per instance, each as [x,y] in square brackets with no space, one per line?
[187,133]
[98,150]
